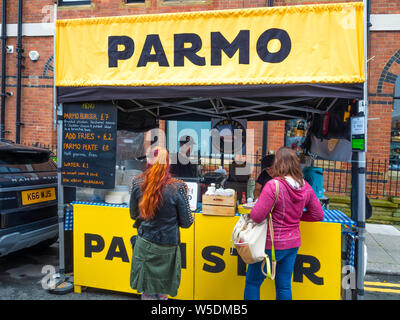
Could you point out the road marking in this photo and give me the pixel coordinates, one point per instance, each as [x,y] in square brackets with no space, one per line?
[382,290]
[388,287]
[382,284]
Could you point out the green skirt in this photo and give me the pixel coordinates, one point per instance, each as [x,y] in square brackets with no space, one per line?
[155,268]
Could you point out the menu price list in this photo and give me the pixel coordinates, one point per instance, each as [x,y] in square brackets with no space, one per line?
[89,145]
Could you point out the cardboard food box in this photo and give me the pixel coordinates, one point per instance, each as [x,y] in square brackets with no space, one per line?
[219,205]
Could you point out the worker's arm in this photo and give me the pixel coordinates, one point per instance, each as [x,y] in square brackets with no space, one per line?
[257,190]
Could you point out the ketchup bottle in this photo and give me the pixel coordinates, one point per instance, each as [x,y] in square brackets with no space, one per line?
[244,198]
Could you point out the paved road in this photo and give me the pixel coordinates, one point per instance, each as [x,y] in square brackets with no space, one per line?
[21,276]
[381,287]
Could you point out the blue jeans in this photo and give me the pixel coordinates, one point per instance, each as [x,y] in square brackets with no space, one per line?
[284,269]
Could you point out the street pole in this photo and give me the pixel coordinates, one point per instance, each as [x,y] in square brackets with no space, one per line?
[58,110]
[63,284]
[362,109]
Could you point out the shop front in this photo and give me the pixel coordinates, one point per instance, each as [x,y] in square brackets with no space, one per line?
[117,77]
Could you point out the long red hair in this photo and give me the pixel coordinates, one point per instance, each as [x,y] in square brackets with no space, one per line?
[155,177]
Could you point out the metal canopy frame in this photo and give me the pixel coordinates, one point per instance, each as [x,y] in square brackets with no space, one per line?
[224,108]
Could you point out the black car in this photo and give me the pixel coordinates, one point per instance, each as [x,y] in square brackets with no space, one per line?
[28,198]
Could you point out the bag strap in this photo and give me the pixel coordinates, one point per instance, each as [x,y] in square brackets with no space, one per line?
[271,227]
[271,232]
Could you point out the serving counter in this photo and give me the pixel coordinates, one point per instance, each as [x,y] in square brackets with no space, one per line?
[102,255]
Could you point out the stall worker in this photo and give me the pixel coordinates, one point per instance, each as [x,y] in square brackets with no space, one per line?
[183,168]
[265,175]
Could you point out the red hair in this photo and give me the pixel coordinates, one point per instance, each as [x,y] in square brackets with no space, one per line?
[155,177]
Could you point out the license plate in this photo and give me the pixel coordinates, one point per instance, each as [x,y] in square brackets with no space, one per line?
[38,195]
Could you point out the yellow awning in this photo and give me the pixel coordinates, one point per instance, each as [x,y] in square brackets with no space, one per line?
[275,45]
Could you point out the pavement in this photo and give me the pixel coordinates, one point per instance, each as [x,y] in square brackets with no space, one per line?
[383,249]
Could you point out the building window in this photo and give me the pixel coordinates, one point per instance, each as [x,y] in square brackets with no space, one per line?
[135,1]
[295,133]
[184,1]
[72,2]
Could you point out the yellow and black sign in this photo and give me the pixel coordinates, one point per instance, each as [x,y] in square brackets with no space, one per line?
[89,145]
[279,45]
[103,252]
[102,257]
[38,195]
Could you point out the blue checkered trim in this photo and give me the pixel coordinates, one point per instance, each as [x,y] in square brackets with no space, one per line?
[101,204]
[351,245]
[68,219]
[339,217]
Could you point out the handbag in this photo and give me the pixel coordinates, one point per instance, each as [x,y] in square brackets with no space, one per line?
[249,239]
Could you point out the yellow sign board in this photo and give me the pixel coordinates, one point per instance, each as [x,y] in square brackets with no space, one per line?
[280,45]
[103,252]
[102,257]
[38,195]
[220,275]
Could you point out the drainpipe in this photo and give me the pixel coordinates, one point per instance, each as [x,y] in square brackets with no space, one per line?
[3,69]
[19,67]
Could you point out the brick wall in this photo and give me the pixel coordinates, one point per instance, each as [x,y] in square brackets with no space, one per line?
[384,67]
[36,92]
[384,7]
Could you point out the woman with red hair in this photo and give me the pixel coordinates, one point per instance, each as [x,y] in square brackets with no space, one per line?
[159,206]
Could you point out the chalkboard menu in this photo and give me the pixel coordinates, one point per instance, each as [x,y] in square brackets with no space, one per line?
[89,145]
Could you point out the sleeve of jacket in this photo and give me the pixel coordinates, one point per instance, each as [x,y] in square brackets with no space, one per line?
[314,210]
[185,216]
[264,202]
[134,202]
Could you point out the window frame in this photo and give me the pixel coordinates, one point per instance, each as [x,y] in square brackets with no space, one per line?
[183,2]
[395,107]
[62,3]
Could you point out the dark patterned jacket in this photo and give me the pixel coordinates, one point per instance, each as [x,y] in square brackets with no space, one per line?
[174,212]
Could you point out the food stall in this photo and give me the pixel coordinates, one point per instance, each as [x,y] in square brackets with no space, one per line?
[124,74]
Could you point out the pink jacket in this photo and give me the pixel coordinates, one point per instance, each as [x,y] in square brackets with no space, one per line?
[288,211]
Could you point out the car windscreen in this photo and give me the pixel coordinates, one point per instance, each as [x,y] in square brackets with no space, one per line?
[25,161]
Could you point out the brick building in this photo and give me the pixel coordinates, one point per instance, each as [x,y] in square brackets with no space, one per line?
[37,76]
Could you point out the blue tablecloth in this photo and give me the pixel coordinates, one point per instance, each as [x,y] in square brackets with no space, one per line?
[338,217]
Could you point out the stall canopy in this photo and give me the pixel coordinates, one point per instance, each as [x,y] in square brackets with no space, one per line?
[257,64]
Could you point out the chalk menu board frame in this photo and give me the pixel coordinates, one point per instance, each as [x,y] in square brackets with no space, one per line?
[89,145]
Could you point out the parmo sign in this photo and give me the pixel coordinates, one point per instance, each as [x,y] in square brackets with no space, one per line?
[188,45]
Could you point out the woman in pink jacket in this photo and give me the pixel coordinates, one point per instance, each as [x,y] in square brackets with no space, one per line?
[295,194]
